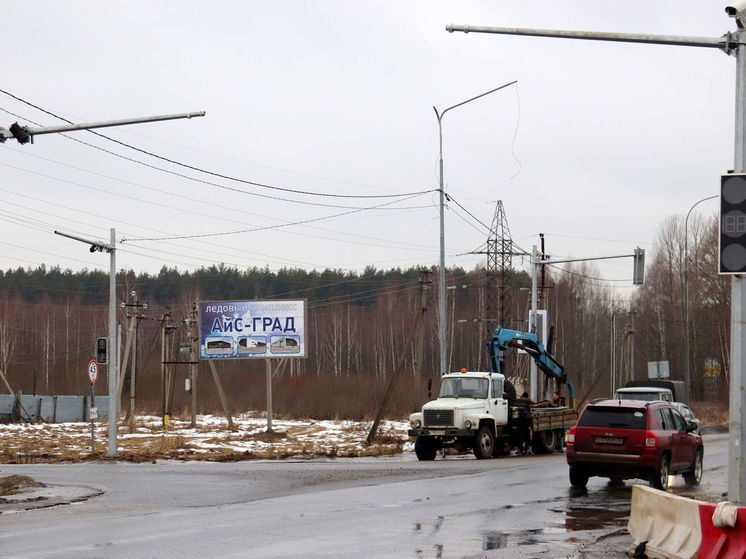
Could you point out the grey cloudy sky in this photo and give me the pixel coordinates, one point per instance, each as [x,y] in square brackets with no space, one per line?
[597,144]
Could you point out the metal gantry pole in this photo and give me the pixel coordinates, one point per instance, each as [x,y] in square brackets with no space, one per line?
[730,43]
[113,356]
[737,418]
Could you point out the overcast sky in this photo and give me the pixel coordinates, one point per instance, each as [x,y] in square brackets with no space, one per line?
[596,145]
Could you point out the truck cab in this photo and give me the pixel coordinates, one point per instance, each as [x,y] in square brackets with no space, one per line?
[646,393]
[469,408]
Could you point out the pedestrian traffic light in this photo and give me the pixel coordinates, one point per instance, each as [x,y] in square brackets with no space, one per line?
[732,238]
[101,350]
[638,270]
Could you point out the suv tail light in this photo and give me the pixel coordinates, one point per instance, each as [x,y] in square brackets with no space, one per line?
[571,436]
[650,439]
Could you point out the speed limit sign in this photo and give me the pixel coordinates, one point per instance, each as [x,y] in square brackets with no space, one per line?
[92,371]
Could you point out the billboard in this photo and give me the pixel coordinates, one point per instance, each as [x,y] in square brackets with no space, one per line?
[252,329]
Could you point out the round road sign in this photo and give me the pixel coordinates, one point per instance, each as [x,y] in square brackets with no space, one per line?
[92,371]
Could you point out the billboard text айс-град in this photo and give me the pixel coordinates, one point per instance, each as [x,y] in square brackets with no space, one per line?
[252,329]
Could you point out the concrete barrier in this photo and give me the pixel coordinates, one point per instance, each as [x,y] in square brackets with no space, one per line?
[669,523]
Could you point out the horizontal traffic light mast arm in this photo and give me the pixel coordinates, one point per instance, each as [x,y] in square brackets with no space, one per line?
[562,261]
[95,245]
[109,123]
[25,134]
[726,42]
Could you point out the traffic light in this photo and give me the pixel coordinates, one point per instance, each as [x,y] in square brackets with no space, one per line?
[101,350]
[732,242]
[638,270]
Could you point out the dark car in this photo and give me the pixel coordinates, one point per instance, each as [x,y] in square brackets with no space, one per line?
[688,415]
[627,439]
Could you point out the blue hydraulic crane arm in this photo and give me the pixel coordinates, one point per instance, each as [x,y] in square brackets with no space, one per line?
[504,338]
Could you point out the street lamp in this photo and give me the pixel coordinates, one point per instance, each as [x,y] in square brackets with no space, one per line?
[111,248]
[442,274]
[687,374]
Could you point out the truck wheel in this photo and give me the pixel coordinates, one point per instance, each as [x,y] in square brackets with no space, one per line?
[694,476]
[545,442]
[484,444]
[578,478]
[425,449]
[501,448]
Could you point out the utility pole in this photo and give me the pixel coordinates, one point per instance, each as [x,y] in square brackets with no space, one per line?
[533,371]
[732,43]
[167,326]
[424,282]
[135,318]
[191,332]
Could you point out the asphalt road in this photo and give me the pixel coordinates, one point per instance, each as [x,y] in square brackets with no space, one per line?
[382,507]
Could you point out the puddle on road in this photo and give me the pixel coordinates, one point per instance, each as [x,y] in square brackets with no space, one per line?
[579,517]
[580,511]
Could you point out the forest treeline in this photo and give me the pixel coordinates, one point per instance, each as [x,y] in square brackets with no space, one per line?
[360,328]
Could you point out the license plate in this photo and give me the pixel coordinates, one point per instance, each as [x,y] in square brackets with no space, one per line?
[437,431]
[618,441]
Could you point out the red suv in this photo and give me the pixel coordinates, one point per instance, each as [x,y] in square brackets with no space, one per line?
[624,439]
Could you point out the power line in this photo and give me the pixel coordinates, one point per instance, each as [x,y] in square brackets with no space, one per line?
[215,174]
[265,228]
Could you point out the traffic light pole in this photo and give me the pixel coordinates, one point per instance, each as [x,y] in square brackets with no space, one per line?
[25,134]
[733,43]
[638,278]
[737,396]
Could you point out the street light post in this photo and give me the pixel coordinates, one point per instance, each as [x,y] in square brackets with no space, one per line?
[687,371]
[442,341]
[113,358]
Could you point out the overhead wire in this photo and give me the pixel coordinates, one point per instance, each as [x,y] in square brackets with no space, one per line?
[180,196]
[208,172]
[264,228]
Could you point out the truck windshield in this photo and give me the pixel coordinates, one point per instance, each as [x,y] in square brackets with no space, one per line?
[464,387]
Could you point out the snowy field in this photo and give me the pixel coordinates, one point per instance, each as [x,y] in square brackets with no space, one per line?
[211,439]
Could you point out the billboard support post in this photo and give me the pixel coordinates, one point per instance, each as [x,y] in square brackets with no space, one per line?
[269,395]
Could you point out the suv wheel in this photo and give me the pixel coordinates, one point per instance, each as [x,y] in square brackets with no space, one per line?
[485,443]
[578,478]
[660,476]
[694,476]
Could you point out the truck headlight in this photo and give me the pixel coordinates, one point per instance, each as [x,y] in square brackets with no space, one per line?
[417,424]
[467,424]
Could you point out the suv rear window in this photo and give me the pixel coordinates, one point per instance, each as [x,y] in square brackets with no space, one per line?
[621,418]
